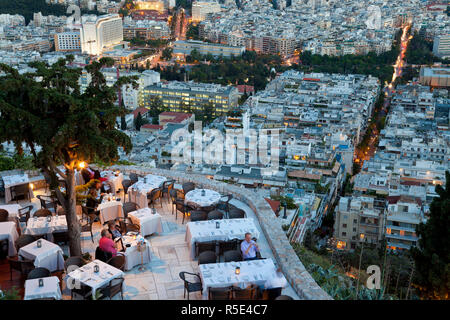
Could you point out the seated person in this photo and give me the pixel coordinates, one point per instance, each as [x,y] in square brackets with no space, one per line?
[93,201]
[249,248]
[114,230]
[87,174]
[275,285]
[107,244]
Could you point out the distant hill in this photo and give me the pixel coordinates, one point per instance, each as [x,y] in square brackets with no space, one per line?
[26,8]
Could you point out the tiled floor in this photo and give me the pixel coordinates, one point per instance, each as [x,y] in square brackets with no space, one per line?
[170,255]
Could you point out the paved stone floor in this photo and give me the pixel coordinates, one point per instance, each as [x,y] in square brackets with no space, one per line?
[169,256]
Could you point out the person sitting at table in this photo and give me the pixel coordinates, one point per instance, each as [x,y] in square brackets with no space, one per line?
[100,188]
[106,243]
[249,248]
[87,174]
[93,201]
[275,285]
[114,230]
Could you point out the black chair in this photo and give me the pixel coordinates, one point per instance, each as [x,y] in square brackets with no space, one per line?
[198,216]
[190,286]
[283,297]
[167,186]
[4,248]
[3,215]
[38,273]
[227,246]
[115,286]
[183,208]
[85,292]
[248,293]
[102,255]
[224,203]
[42,213]
[87,227]
[21,191]
[47,202]
[24,240]
[133,178]
[24,266]
[208,209]
[61,237]
[25,213]
[236,214]
[188,186]
[129,207]
[207,257]
[273,293]
[215,215]
[173,197]
[117,262]
[201,247]
[74,261]
[128,226]
[232,255]
[224,293]
[126,184]
[154,195]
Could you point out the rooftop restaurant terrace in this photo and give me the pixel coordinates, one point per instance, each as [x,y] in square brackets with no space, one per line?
[181,237]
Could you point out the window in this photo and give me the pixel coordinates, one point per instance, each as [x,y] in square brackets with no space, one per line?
[354,229]
[344,225]
[355,221]
[344,234]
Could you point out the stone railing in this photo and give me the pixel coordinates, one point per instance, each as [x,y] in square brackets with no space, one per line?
[287,259]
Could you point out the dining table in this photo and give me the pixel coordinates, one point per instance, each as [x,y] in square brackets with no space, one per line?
[133,255]
[198,198]
[48,255]
[37,226]
[50,289]
[149,221]
[139,190]
[228,229]
[114,180]
[15,180]
[8,231]
[224,274]
[110,209]
[13,210]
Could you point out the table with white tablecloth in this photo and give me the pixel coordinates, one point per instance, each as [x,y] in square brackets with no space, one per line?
[114,180]
[203,231]
[49,255]
[138,191]
[15,180]
[110,210]
[37,226]
[95,280]
[132,254]
[8,231]
[149,223]
[223,274]
[50,289]
[202,198]
[13,210]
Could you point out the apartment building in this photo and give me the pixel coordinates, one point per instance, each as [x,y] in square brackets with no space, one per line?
[145,29]
[441,46]
[100,33]
[183,47]
[67,41]
[200,9]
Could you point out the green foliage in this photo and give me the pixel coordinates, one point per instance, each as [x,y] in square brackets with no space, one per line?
[11,294]
[419,51]
[167,54]
[289,201]
[139,122]
[432,256]
[193,32]
[18,161]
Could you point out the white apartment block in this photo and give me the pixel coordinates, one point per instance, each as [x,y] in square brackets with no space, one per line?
[99,33]
[200,9]
[441,46]
[67,41]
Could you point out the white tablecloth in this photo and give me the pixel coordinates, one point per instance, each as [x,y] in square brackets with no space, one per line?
[138,191]
[15,180]
[114,181]
[148,222]
[40,225]
[13,210]
[8,231]
[88,277]
[202,231]
[50,289]
[49,255]
[110,210]
[132,255]
[223,274]
[195,198]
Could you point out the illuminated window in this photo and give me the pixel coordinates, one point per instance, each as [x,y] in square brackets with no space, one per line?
[341,244]
[388,230]
[402,232]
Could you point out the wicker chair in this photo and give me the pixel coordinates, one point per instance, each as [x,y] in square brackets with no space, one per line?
[198,216]
[47,202]
[39,273]
[224,203]
[74,261]
[188,186]
[167,186]
[183,208]
[129,207]
[207,257]
[23,266]
[173,197]
[153,196]
[248,293]
[3,215]
[42,213]
[114,287]
[190,286]
[215,215]
[20,191]
[232,255]
[24,240]
[224,293]
[102,255]
[133,178]
[126,184]
[88,226]
[227,246]
[201,247]
[117,262]
[25,213]
[236,214]
[127,226]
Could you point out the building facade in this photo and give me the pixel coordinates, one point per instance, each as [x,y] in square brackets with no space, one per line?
[67,41]
[204,48]
[99,33]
